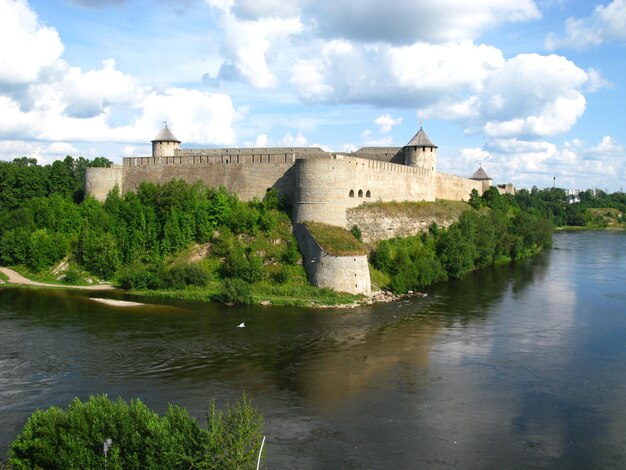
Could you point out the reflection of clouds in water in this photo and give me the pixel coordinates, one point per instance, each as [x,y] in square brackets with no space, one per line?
[333,376]
[553,310]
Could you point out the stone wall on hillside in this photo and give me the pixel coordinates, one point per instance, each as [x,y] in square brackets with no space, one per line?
[341,273]
[375,224]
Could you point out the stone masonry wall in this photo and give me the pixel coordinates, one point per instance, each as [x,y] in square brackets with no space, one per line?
[248,180]
[341,273]
[455,188]
[325,189]
[100,181]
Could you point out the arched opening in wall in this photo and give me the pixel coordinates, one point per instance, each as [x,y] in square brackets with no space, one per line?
[360,193]
[368,193]
[351,193]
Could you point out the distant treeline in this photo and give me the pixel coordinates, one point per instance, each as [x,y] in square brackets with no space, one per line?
[553,204]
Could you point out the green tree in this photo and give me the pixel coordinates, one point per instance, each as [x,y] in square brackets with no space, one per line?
[137,437]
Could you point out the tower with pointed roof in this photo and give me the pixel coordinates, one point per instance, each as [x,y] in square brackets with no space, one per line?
[481,175]
[165,144]
[420,152]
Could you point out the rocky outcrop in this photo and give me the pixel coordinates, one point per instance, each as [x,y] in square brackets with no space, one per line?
[379,223]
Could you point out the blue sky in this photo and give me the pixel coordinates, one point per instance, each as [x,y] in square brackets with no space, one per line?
[532,89]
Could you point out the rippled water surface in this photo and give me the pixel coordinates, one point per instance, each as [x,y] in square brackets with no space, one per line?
[514,367]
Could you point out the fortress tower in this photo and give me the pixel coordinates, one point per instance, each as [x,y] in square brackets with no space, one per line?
[165,144]
[480,175]
[420,152]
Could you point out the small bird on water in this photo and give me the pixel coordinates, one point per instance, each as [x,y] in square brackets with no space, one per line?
[241,325]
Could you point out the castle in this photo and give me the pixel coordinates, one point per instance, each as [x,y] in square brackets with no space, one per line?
[321,186]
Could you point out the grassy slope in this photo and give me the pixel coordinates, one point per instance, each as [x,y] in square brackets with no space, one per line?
[336,241]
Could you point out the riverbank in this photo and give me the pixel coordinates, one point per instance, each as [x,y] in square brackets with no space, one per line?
[316,298]
[13,277]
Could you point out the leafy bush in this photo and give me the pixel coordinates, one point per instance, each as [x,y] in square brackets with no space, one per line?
[139,438]
[143,276]
[235,291]
[182,275]
[356,231]
[291,254]
[242,265]
[72,276]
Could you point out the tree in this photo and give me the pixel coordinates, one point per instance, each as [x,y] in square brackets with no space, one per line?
[136,437]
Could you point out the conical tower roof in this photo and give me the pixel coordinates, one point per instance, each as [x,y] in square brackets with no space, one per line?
[480,175]
[421,140]
[165,136]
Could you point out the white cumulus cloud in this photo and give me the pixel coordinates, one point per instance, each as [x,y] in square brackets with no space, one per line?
[408,21]
[28,47]
[385,123]
[607,23]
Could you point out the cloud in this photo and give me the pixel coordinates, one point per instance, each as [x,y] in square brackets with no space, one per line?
[369,140]
[44,153]
[86,94]
[409,21]
[535,163]
[528,95]
[247,43]
[290,140]
[260,141]
[407,76]
[28,46]
[255,9]
[606,24]
[50,100]
[385,123]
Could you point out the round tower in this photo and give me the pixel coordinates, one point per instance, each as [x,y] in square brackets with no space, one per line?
[165,144]
[420,152]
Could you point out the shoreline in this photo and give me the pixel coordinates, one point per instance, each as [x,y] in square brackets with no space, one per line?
[17,279]
[383,296]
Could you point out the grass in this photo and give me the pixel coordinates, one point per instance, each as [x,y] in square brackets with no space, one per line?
[4,278]
[439,209]
[335,241]
[379,279]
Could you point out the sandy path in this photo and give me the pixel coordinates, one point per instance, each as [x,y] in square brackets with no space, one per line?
[17,278]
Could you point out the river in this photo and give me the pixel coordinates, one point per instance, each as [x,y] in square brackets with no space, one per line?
[518,366]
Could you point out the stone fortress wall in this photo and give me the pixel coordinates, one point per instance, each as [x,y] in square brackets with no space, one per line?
[320,185]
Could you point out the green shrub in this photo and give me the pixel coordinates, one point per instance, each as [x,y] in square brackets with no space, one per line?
[72,276]
[235,291]
[291,254]
[139,438]
[182,275]
[242,265]
[143,276]
[356,231]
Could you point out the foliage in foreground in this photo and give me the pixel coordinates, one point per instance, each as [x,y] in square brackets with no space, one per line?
[74,438]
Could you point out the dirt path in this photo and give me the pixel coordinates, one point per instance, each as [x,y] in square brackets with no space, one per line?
[17,278]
